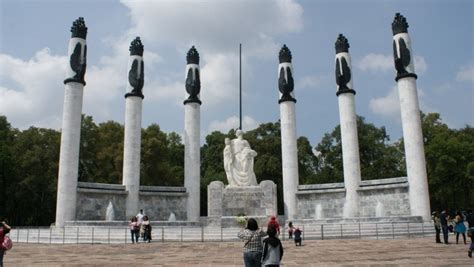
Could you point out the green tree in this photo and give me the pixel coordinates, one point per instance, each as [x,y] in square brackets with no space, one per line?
[7,167]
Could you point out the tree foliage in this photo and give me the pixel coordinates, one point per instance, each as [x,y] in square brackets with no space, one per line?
[29,162]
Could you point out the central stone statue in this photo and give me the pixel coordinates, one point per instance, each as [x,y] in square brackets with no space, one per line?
[238,161]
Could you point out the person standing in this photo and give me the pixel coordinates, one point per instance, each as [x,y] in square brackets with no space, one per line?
[4,229]
[134,229]
[146,227]
[253,249]
[459,228]
[437,225]
[274,223]
[272,249]
[443,219]
[470,224]
[140,217]
[290,230]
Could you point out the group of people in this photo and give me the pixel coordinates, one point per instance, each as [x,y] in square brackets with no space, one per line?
[261,251]
[140,227]
[445,223]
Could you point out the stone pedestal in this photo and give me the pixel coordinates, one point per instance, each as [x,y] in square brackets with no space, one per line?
[253,201]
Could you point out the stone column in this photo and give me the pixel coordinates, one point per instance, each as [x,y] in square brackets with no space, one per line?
[192,149]
[71,125]
[348,118]
[289,147]
[411,121]
[133,128]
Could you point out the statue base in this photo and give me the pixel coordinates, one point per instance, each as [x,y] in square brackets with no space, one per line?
[230,201]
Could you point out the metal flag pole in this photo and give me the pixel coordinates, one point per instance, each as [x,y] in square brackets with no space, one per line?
[240,86]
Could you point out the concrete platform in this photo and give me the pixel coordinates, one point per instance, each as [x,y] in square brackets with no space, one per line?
[396,252]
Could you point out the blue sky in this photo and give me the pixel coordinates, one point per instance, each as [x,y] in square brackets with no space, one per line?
[34,36]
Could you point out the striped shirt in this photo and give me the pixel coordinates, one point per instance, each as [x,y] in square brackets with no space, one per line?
[252,239]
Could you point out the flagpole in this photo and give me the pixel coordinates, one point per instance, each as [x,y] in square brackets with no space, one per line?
[240,86]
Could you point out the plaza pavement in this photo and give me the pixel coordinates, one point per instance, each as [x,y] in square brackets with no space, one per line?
[348,252]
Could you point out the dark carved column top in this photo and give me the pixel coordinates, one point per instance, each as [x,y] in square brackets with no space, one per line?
[193,56]
[79,28]
[342,44]
[399,24]
[136,47]
[285,54]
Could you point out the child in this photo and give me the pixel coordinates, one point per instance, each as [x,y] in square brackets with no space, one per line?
[290,230]
[272,248]
[297,234]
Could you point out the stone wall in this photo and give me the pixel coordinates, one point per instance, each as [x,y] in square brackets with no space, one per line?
[93,199]
[377,198]
[158,202]
[253,201]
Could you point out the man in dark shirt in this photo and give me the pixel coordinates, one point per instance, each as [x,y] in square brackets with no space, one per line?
[443,218]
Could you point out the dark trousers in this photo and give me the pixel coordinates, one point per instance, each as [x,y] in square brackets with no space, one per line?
[445,233]
[438,232]
[1,257]
[252,259]
[134,234]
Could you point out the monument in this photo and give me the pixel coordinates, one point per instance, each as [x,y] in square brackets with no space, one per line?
[242,195]
[192,149]
[289,148]
[71,124]
[238,161]
[133,128]
[349,140]
[411,121]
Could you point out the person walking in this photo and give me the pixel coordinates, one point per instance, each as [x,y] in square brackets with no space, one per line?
[4,229]
[470,232]
[459,228]
[134,229]
[443,219]
[437,225]
[253,249]
[274,223]
[272,249]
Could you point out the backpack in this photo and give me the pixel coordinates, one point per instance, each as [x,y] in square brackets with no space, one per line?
[7,243]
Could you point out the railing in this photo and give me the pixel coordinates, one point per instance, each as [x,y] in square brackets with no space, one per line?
[116,235]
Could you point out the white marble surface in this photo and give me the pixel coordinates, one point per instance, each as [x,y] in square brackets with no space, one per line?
[289,152]
[350,153]
[69,153]
[411,67]
[414,150]
[238,161]
[131,153]
[192,159]
[72,44]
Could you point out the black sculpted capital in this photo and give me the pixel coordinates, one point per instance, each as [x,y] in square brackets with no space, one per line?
[286,85]
[136,77]
[193,86]
[402,61]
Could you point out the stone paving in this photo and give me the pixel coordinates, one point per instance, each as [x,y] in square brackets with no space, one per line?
[353,252]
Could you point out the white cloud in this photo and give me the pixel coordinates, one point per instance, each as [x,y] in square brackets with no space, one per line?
[310,81]
[376,62]
[248,123]
[34,93]
[465,74]
[388,106]
[218,25]
[384,63]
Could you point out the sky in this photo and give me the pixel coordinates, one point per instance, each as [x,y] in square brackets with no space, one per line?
[34,37]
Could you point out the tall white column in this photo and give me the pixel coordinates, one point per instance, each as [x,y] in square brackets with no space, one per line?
[289,148]
[348,122]
[71,125]
[133,128]
[411,121]
[192,149]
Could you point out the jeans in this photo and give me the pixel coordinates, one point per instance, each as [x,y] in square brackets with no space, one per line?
[445,233]
[253,259]
[134,234]
[438,231]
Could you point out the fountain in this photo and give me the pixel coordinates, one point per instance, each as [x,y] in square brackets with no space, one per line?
[319,212]
[110,214]
[379,210]
[172,217]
